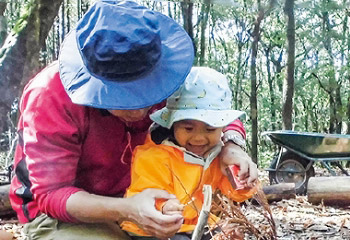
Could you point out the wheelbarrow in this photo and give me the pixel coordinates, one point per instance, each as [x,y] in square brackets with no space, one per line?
[298,151]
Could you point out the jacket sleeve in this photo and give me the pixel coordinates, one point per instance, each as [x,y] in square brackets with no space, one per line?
[51,141]
[150,169]
[221,182]
[235,195]
[236,125]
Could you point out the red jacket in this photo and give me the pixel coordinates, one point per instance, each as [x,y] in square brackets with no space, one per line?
[64,148]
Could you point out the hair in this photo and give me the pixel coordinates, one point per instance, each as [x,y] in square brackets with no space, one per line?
[159,134]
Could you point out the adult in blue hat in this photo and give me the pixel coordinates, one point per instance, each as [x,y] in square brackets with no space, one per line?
[82,116]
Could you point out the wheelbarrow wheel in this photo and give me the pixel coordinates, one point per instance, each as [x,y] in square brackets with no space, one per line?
[292,169]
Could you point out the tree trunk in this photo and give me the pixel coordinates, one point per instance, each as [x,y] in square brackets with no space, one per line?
[329,190]
[187,13]
[253,78]
[271,89]
[348,111]
[79,9]
[238,85]
[3,23]
[242,40]
[68,16]
[278,72]
[205,12]
[335,103]
[253,85]
[63,23]
[19,57]
[345,50]
[288,86]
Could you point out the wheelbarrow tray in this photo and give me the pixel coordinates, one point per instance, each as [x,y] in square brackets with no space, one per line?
[313,146]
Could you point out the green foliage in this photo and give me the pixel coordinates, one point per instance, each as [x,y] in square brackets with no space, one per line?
[321,57]
[17,14]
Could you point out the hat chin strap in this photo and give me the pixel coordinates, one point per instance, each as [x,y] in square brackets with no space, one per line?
[127,147]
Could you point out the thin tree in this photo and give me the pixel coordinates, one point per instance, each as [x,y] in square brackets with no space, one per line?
[204,23]
[253,83]
[267,51]
[3,23]
[288,86]
[187,14]
[344,54]
[253,79]
[335,103]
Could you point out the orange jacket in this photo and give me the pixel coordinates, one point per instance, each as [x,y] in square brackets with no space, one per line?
[164,167]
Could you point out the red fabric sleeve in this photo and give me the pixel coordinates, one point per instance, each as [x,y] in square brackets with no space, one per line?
[52,145]
[54,203]
[236,125]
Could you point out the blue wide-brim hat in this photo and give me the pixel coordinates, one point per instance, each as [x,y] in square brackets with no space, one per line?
[124,56]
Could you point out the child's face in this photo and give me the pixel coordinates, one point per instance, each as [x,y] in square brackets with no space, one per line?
[196,136]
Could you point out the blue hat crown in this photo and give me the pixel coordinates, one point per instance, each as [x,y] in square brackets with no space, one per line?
[122,55]
[120,45]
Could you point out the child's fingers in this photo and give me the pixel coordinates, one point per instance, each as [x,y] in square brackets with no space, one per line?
[172,206]
[172,212]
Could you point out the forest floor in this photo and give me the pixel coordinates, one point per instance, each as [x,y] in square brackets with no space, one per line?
[299,219]
[294,218]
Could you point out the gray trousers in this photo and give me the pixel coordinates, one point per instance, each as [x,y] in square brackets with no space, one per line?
[46,228]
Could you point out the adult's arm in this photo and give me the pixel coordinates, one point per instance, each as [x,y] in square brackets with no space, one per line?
[232,154]
[237,127]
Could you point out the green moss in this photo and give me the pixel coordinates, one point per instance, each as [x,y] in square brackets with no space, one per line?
[23,20]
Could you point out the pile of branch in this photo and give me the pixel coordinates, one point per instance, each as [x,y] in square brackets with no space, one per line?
[235,223]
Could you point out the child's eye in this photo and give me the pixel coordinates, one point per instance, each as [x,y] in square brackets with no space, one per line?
[211,129]
[188,129]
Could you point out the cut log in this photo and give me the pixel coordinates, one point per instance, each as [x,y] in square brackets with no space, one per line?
[333,190]
[279,191]
[5,206]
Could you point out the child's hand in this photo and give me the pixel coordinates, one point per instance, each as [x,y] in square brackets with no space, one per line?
[172,206]
[232,154]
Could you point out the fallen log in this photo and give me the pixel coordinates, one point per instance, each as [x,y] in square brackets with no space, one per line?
[333,190]
[277,192]
[5,206]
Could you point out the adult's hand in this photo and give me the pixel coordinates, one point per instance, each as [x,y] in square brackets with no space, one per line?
[141,210]
[232,154]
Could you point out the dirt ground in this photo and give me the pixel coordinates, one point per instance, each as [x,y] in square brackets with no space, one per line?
[294,218]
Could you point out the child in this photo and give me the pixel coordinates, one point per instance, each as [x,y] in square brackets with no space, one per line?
[183,153]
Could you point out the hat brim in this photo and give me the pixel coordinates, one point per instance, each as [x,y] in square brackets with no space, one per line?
[166,77]
[214,118]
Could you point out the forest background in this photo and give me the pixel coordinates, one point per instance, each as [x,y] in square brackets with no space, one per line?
[287,61]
